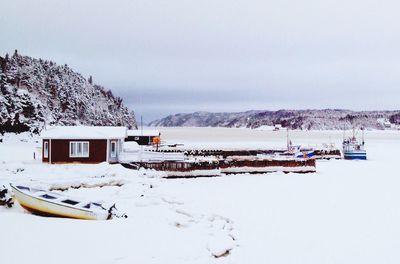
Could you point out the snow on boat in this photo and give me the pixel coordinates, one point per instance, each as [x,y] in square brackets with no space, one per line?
[45,203]
[296,151]
[327,151]
[353,149]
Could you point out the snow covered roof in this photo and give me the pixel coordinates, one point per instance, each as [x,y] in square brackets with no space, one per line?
[84,132]
[146,133]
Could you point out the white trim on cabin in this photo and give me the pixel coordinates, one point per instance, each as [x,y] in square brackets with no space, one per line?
[108,151]
[51,149]
[79,152]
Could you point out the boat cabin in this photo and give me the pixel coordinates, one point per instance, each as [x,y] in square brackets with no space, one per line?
[82,144]
[142,137]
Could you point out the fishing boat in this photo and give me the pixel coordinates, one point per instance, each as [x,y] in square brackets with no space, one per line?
[45,203]
[353,149]
[327,151]
[297,151]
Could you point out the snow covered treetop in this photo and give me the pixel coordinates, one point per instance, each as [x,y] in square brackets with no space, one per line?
[35,93]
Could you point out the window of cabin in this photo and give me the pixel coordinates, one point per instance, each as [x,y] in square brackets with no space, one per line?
[113,149]
[46,150]
[78,149]
[136,138]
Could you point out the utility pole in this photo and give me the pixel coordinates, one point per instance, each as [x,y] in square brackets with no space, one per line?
[141,122]
[287,138]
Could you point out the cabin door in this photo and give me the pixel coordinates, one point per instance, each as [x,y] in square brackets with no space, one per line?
[113,152]
[113,148]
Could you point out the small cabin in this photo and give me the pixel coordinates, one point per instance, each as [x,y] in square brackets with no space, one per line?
[142,137]
[82,144]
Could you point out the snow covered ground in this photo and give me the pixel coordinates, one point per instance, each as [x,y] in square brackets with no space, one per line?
[347,212]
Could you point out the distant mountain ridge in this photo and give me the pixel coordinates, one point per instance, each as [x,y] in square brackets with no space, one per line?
[36,92]
[326,119]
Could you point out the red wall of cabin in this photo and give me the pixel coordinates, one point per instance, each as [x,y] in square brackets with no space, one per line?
[59,151]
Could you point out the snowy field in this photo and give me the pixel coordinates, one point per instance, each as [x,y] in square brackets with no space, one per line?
[347,212]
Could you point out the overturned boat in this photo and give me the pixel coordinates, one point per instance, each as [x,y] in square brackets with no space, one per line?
[45,203]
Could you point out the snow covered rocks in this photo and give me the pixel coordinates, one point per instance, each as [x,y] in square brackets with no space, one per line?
[6,198]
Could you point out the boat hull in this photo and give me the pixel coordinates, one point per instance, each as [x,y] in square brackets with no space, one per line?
[355,155]
[48,208]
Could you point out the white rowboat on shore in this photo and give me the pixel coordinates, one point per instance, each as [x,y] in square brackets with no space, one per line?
[45,203]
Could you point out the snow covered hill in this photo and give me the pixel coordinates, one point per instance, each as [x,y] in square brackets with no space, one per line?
[327,119]
[36,92]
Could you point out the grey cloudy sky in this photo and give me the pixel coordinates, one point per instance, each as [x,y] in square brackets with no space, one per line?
[174,56]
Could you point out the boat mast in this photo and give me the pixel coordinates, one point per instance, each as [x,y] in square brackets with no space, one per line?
[344,133]
[287,138]
[362,135]
[141,124]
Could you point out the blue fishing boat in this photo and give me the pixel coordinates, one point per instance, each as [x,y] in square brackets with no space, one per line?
[353,149]
[297,151]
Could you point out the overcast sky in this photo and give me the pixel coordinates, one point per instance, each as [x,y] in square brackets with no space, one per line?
[174,56]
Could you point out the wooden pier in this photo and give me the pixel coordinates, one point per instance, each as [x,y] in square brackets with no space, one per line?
[221,167]
[224,153]
[221,152]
